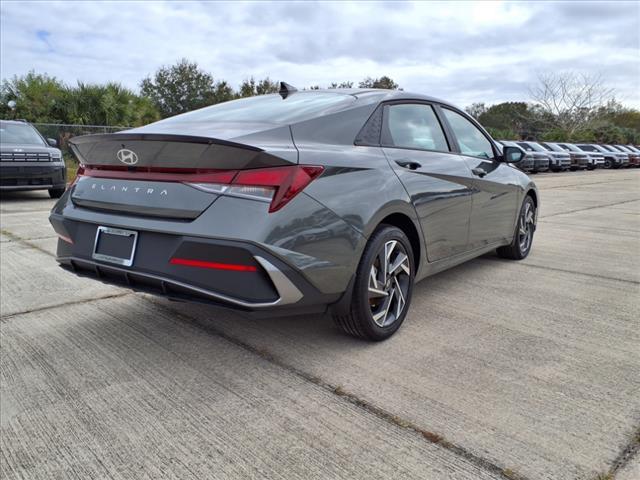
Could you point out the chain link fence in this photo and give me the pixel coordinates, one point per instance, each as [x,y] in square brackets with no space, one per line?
[62,132]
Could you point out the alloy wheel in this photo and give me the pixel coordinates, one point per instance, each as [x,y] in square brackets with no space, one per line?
[389,281]
[526,227]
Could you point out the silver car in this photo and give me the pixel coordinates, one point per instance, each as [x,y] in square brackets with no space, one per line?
[558,161]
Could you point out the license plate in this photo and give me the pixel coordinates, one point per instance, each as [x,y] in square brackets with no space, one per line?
[115,245]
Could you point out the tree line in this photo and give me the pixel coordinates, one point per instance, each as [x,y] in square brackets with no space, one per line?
[174,89]
[561,106]
[564,107]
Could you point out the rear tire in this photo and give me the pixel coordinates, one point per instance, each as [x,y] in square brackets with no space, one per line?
[56,192]
[382,288]
[523,235]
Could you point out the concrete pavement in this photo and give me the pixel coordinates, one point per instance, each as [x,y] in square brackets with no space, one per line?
[502,369]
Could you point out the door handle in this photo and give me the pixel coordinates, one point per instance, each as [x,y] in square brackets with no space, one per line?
[410,164]
[480,172]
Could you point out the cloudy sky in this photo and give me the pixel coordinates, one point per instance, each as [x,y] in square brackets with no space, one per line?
[462,52]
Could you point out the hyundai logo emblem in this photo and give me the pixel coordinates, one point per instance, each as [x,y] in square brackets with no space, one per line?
[126,156]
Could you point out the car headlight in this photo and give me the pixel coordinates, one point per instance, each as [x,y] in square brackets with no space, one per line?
[56,155]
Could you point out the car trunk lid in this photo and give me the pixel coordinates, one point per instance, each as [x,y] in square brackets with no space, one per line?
[153,173]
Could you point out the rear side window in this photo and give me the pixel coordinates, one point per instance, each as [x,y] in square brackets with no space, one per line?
[416,126]
[471,140]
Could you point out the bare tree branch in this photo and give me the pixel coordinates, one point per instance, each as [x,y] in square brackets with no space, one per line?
[572,99]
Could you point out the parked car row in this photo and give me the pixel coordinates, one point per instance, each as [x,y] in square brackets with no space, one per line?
[560,156]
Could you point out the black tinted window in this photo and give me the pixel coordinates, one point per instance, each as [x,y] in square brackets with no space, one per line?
[416,126]
[471,140]
[587,148]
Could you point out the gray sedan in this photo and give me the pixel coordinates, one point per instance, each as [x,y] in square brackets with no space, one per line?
[296,202]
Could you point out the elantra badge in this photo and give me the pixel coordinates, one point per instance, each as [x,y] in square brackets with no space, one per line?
[126,156]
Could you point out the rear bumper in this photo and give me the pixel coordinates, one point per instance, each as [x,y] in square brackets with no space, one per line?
[272,287]
[27,176]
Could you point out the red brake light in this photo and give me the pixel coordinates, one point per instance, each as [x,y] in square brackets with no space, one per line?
[79,173]
[187,262]
[160,174]
[286,181]
[279,185]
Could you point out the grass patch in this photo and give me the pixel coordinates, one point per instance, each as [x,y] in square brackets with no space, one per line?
[72,169]
[604,476]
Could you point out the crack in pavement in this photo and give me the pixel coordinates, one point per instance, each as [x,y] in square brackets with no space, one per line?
[18,239]
[589,208]
[5,318]
[590,183]
[30,239]
[588,227]
[17,212]
[573,272]
[630,450]
[431,437]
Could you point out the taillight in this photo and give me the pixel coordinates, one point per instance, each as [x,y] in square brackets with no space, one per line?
[276,185]
[79,173]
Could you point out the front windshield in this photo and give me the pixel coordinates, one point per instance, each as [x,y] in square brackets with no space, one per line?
[569,146]
[525,146]
[553,146]
[19,134]
[536,146]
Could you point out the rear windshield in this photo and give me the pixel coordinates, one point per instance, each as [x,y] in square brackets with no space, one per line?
[269,109]
[19,134]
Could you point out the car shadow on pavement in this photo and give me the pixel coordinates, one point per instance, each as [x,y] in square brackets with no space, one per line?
[37,195]
[318,330]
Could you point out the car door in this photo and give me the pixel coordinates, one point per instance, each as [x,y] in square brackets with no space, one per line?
[438,181]
[496,185]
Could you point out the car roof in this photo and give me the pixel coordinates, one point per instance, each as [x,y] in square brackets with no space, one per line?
[381,94]
[15,122]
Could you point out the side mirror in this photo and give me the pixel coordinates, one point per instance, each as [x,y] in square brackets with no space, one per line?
[512,154]
[52,141]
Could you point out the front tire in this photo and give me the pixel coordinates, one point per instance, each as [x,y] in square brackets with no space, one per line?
[523,235]
[383,286]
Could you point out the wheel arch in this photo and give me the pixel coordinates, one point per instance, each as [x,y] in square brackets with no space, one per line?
[398,217]
[406,224]
[534,196]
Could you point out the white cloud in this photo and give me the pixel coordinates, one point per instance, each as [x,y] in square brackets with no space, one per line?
[463,52]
